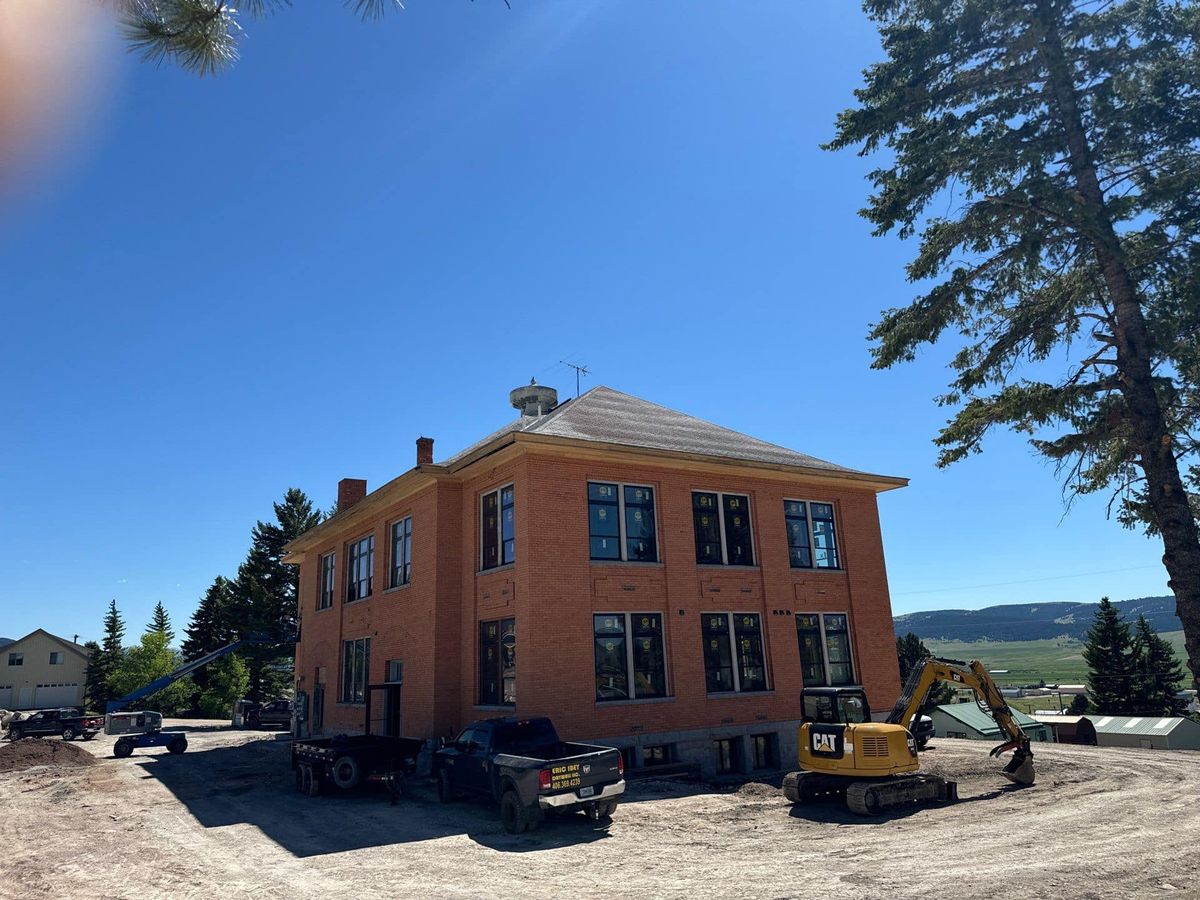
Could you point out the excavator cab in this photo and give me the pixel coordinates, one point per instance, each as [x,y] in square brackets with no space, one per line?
[834,704]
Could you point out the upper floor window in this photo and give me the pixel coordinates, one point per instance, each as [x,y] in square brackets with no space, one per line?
[734,659]
[16,659]
[360,566]
[498,528]
[825,658]
[812,536]
[630,664]
[356,664]
[401,552]
[57,657]
[621,522]
[325,588]
[722,523]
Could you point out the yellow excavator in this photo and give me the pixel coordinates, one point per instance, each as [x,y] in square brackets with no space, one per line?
[874,765]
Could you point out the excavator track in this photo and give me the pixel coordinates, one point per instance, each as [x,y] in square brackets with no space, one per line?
[807,787]
[874,798]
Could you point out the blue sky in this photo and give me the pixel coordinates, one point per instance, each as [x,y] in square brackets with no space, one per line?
[367,232]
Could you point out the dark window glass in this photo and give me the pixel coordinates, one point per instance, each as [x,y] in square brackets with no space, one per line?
[508,532]
[356,663]
[641,542]
[837,646]
[612,679]
[649,662]
[604,525]
[656,755]
[795,516]
[401,551]
[706,519]
[812,654]
[325,593]
[490,525]
[752,666]
[361,566]
[738,546]
[825,551]
[497,662]
[727,755]
[16,659]
[718,661]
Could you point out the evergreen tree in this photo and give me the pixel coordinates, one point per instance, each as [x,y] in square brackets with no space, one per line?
[209,628]
[161,623]
[95,679]
[1157,674]
[104,660]
[146,661]
[1108,653]
[912,652]
[1079,705]
[1048,154]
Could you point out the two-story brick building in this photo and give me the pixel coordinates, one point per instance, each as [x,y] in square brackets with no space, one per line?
[644,577]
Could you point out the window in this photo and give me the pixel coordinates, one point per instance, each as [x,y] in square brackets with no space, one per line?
[734,659]
[356,663]
[498,539]
[16,659]
[722,524]
[318,699]
[765,751]
[394,671]
[57,657]
[825,657]
[727,755]
[657,755]
[621,522]
[325,589]
[630,664]
[498,663]
[401,552]
[812,537]
[360,579]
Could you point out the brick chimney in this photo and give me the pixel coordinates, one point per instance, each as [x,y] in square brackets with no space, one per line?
[424,451]
[350,491]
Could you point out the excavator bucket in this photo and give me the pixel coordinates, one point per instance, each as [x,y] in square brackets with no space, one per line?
[1020,768]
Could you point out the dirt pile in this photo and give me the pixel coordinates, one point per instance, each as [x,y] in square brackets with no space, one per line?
[29,752]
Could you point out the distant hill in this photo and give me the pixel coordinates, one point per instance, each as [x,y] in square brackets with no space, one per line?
[1030,621]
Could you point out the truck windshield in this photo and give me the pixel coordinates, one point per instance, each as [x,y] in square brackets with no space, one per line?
[529,737]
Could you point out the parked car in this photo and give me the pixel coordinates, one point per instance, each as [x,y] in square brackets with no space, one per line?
[276,714]
[922,731]
[66,722]
[522,765]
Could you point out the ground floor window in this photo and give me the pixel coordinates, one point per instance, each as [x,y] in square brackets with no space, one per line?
[734,657]
[825,657]
[630,663]
[727,750]
[498,662]
[764,749]
[356,663]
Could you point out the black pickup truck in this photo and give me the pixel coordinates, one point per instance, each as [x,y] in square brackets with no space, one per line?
[66,722]
[522,765]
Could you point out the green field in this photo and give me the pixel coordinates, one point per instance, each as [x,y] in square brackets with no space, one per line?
[1028,662]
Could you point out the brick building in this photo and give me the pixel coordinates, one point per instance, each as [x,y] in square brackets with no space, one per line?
[648,579]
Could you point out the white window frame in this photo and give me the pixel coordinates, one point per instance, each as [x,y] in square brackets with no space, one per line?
[498,491]
[392,552]
[721,495]
[737,674]
[622,533]
[61,660]
[323,582]
[628,635]
[812,543]
[16,658]
[825,647]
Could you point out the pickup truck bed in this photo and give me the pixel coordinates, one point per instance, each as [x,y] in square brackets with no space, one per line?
[64,722]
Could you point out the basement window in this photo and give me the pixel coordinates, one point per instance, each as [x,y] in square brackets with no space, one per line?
[658,755]
[728,750]
[765,751]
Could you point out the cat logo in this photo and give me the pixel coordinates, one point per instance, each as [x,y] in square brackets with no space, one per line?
[824,743]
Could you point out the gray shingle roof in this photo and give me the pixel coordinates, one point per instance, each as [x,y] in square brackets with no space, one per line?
[607,416]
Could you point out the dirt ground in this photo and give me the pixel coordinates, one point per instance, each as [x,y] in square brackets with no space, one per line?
[224,820]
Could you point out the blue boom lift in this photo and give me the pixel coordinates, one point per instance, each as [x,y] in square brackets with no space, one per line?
[143,728]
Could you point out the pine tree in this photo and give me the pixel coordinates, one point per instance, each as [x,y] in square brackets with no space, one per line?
[208,630]
[104,660]
[1047,153]
[161,623]
[912,652]
[95,679]
[1157,674]
[1108,653]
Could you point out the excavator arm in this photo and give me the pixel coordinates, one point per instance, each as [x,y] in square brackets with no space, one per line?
[974,676]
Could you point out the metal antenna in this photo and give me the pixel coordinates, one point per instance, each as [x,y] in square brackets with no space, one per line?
[579,370]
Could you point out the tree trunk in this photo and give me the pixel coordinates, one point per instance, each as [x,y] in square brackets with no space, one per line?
[1152,439]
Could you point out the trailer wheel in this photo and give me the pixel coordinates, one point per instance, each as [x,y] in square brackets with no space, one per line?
[88,735]
[300,786]
[177,745]
[445,788]
[312,781]
[512,814]
[123,748]
[347,773]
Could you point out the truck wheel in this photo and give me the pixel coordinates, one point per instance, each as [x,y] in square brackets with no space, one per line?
[15,734]
[89,735]
[301,788]
[512,814]
[346,772]
[177,745]
[68,733]
[445,789]
[312,782]
[123,748]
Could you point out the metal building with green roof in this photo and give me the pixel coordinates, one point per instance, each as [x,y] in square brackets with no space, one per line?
[1148,732]
[967,720]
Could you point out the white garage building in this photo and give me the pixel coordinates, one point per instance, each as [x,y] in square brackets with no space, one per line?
[42,671]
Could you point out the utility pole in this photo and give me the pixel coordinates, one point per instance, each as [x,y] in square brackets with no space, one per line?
[579,370]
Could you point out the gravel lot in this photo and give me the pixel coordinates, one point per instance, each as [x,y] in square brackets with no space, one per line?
[224,820]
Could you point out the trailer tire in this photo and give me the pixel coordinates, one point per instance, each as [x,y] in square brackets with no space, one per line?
[312,783]
[346,771]
[512,813]
[177,745]
[445,788]
[301,788]
[88,735]
[123,748]
[68,733]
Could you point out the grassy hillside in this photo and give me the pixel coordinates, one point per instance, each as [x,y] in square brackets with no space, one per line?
[1054,660]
